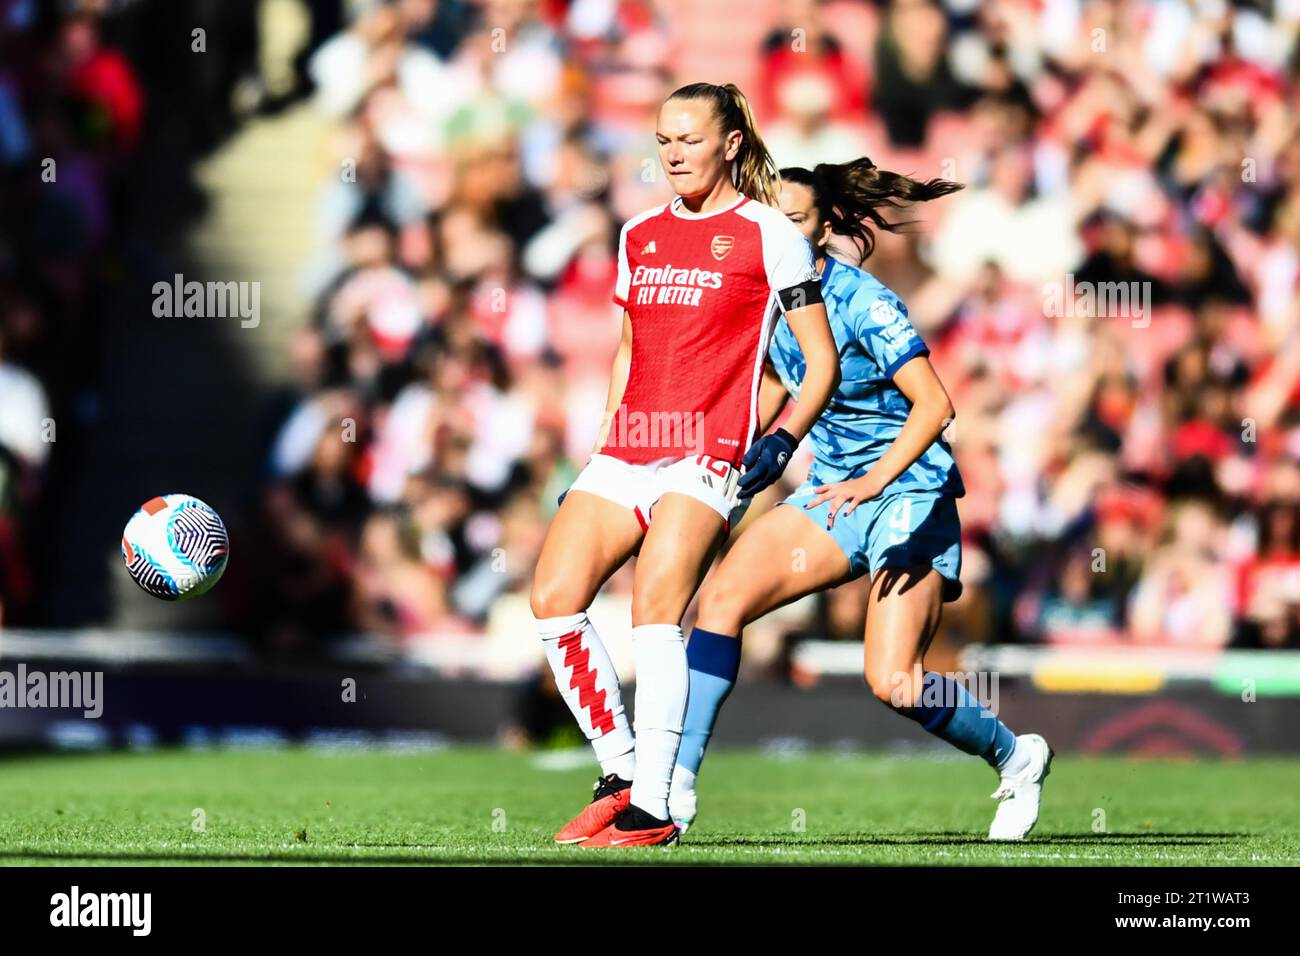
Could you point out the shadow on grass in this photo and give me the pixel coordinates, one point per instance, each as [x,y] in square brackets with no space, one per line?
[967,839]
[507,857]
[545,855]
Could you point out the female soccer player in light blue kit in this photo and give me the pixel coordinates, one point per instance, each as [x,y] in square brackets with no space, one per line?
[880,500]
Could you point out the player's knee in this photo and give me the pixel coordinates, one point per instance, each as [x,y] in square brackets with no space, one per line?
[655,609]
[656,600]
[879,688]
[556,597]
[894,687]
[723,608]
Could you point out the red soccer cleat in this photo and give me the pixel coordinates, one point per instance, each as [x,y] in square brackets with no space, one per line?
[612,796]
[635,827]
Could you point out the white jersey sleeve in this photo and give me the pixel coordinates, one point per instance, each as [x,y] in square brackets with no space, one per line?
[787,258]
[623,283]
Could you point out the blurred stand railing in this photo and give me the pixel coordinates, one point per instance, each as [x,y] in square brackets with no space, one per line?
[1104,669]
[112,647]
[212,689]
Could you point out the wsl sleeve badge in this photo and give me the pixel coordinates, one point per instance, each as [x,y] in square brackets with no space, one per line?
[175,547]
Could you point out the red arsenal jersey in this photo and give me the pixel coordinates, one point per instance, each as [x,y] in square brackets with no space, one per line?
[704,292]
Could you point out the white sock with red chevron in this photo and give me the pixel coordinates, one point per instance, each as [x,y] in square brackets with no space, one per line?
[662,681]
[588,683]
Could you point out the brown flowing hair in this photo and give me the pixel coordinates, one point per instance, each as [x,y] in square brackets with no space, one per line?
[756,175]
[850,196]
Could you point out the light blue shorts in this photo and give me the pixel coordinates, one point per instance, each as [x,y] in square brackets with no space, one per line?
[901,529]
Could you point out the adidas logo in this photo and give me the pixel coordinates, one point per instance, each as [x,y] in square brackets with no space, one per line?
[649,248]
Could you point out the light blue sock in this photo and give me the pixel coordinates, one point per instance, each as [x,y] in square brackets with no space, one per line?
[961,720]
[714,662]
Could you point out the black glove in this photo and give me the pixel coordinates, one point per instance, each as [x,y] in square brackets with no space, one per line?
[765,461]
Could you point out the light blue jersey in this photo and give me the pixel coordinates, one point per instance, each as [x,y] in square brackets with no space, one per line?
[866,413]
[914,520]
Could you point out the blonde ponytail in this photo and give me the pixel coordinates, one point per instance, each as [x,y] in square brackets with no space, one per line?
[756,173]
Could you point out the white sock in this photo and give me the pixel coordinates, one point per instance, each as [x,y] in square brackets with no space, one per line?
[683,780]
[662,680]
[589,685]
[1016,762]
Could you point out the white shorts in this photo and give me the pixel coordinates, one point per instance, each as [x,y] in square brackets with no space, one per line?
[638,487]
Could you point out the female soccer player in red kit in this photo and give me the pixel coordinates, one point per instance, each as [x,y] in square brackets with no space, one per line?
[702,280]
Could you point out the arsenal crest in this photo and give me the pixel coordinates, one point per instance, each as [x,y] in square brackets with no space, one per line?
[721,245]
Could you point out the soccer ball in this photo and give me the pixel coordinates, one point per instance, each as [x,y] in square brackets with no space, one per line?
[175,547]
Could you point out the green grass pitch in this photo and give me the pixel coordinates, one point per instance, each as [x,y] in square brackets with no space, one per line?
[482,806]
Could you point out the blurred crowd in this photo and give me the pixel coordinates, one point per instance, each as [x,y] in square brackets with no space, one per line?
[1112,301]
[1131,466]
[71,109]
[104,107]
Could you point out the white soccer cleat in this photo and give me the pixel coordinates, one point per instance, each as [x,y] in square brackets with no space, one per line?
[1021,793]
[682,808]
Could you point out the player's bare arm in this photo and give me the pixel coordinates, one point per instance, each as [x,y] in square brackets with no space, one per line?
[617,381]
[772,397]
[931,413]
[812,330]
